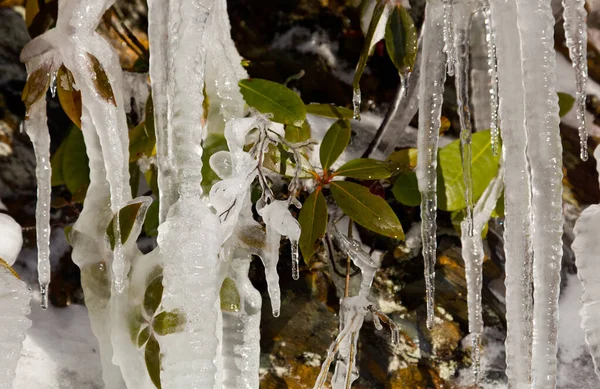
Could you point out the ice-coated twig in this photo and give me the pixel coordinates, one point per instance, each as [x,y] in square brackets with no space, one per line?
[431,89]
[575,24]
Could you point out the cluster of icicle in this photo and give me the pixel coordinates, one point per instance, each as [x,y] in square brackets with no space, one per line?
[523,103]
[203,238]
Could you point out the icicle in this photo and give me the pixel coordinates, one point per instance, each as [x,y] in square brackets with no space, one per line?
[53,84]
[544,151]
[37,129]
[472,252]
[575,15]
[448,34]
[356,100]
[158,16]
[462,16]
[517,233]
[295,260]
[492,64]
[433,75]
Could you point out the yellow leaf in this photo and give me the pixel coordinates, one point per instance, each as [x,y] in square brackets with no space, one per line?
[70,99]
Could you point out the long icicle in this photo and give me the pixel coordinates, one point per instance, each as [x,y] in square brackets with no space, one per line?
[462,16]
[535,23]
[492,63]
[517,233]
[472,252]
[431,89]
[575,16]
[158,17]
[37,130]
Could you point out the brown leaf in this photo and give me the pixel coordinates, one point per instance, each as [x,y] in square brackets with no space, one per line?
[36,86]
[101,81]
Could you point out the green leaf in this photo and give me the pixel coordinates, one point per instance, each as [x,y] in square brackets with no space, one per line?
[366,209]
[451,187]
[406,190]
[142,138]
[272,98]
[403,161]
[127,217]
[135,321]
[212,144]
[36,86]
[365,169]
[75,169]
[101,81]
[151,221]
[56,162]
[166,323]
[295,134]
[153,295]
[143,337]
[401,39]
[565,103]
[151,177]
[334,142]
[329,111]
[68,96]
[230,297]
[152,358]
[313,221]
[134,178]
[366,50]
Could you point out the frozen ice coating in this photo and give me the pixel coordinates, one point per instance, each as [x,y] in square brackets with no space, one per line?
[472,252]
[241,333]
[575,18]
[536,26]
[14,305]
[492,63]
[462,14]
[586,246]
[431,89]
[12,239]
[517,233]
[37,130]
[448,34]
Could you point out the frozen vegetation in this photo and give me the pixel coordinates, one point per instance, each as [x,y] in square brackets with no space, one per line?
[160,318]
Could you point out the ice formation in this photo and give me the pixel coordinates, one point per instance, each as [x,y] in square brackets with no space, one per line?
[12,239]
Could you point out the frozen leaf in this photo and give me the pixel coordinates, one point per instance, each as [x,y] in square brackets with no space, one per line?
[565,103]
[68,96]
[166,323]
[142,142]
[403,161]
[297,134]
[230,297]
[151,221]
[334,142]
[401,39]
[313,223]
[272,98]
[143,337]
[369,42]
[153,295]
[329,111]
[136,319]
[152,357]
[36,86]
[127,217]
[212,144]
[100,78]
[365,169]
[366,209]
[75,169]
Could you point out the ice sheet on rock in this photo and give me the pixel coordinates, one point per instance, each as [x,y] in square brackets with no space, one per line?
[14,305]
[575,16]
[12,239]
[535,24]
[517,233]
[586,247]
[462,14]
[37,130]
[241,333]
[433,75]
[472,253]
